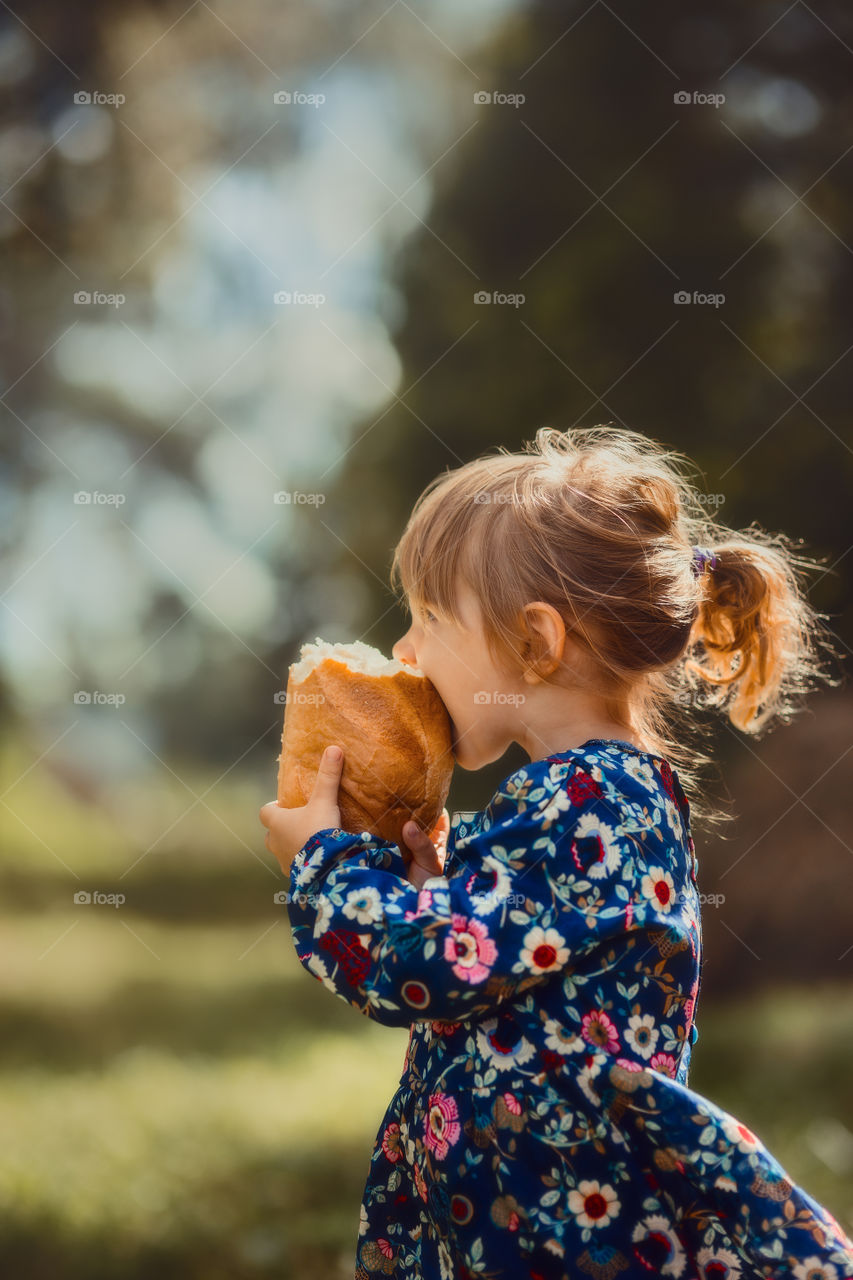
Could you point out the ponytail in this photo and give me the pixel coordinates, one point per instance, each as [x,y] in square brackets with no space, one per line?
[754,648]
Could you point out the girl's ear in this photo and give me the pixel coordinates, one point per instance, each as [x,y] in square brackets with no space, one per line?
[546,639]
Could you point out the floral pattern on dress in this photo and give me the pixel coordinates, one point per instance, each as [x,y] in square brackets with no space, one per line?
[544,1126]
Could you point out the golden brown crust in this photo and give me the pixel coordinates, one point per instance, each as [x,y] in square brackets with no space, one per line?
[396,737]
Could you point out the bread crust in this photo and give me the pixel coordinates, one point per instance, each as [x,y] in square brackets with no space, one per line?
[397,740]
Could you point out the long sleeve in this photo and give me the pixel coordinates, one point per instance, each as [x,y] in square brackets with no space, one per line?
[541,882]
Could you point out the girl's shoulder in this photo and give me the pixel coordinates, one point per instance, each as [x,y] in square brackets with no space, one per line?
[635,787]
[602,759]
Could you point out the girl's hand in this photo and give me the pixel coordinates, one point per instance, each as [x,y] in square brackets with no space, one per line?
[427,851]
[289,829]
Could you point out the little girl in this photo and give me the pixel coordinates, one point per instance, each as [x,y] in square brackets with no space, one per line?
[549,968]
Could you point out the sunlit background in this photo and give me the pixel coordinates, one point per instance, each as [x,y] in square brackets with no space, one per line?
[268,268]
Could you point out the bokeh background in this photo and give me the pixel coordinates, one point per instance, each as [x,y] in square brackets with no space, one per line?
[267,268]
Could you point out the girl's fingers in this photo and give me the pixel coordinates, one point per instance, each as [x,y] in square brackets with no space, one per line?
[417,876]
[417,840]
[441,830]
[425,860]
[265,812]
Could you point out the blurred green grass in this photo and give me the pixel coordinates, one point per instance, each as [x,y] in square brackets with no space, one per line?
[178,1096]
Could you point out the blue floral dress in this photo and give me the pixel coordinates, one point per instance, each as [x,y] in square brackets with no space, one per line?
[543,1127]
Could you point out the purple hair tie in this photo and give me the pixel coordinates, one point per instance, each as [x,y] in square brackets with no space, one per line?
[703,558]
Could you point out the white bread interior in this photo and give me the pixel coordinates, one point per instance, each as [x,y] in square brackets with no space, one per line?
[356,655]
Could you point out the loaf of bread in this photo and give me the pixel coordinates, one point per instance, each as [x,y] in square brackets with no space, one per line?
[392,725]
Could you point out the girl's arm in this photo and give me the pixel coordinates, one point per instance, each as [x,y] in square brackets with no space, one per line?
[519,909]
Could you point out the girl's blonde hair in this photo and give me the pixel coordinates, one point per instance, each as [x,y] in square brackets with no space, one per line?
[600,522]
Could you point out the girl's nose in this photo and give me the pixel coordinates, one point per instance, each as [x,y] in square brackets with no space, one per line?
[403,651]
